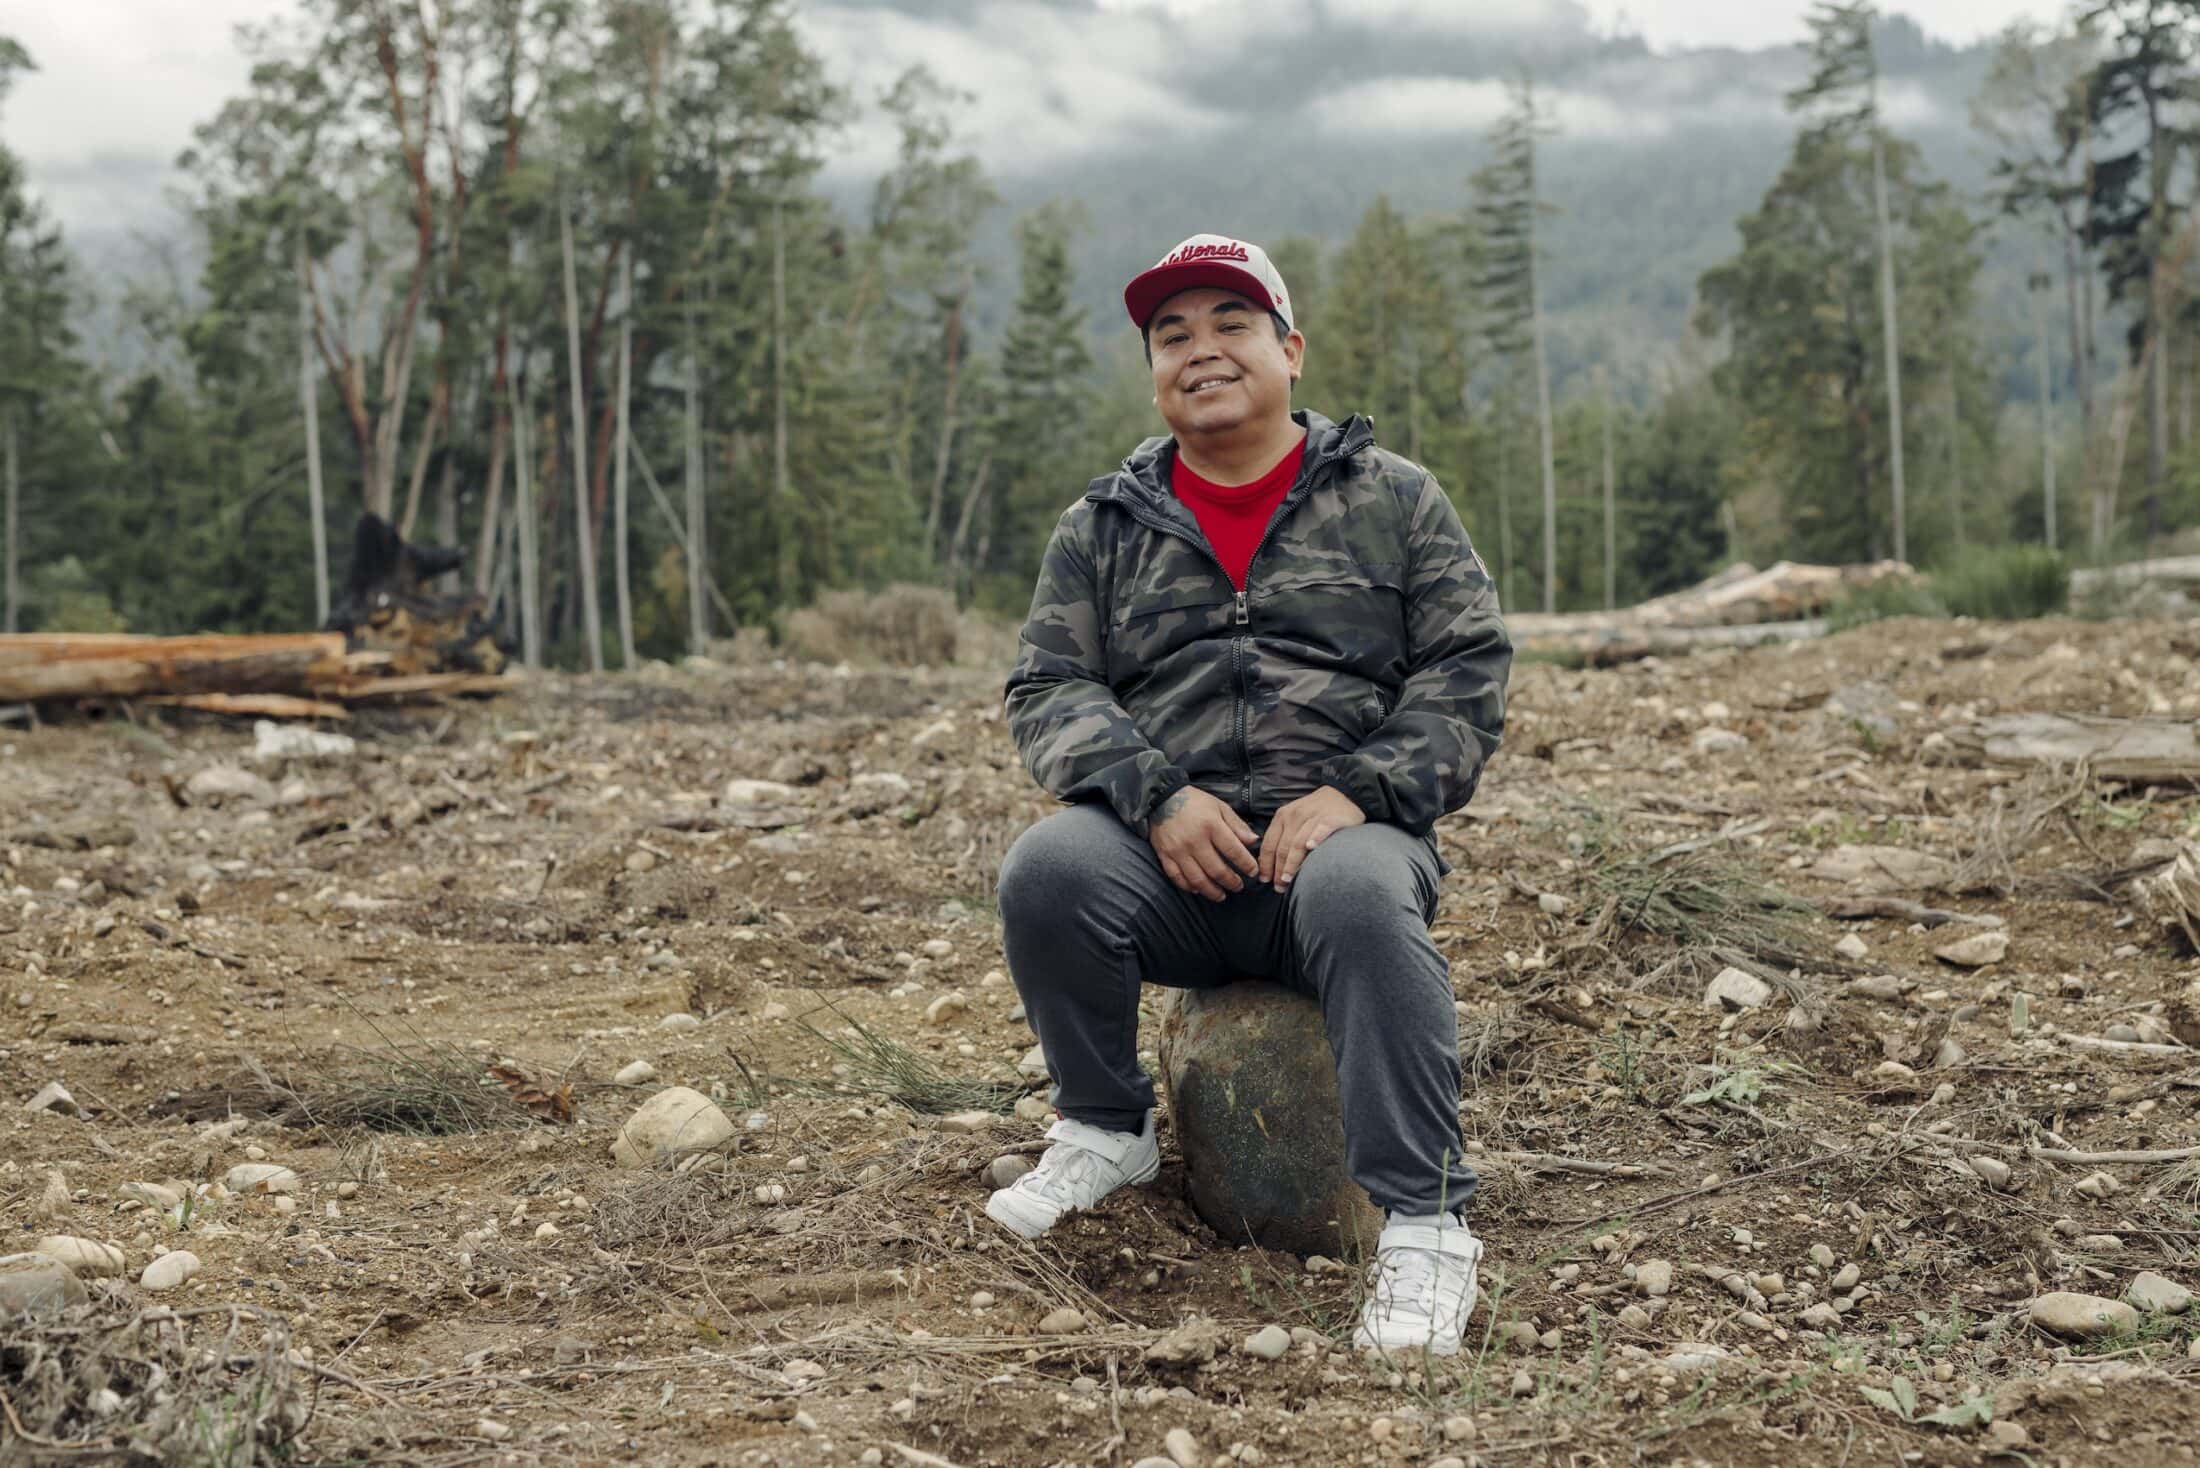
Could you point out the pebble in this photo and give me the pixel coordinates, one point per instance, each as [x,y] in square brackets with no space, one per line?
[1034,1064]
[1654,1277]
[1735,988]
[1193,1342]
[1846,1280]
[260,1177]
[1992,1171]
[169,1270]
[1002,1172]
[1449,1460]
[1034,1108]
[152,1195]
[85,1258]
[1977,950]
[639,1073]
[1064,1321]
[981,1300]
[1852,946]
[679,1022]
[1894,1071]
[546,1230]
[1821,1317]
[1268,1343]
[2007,1436]
[1553,904]
[773,1010]
[32,1284]
[948,1006]
[968,1121]
[801,1368]
[1523,1385]
[2083,1317]
[489,1427]
[675,1119]
[1183,1449]
[2096,1185]
[1155,1461]
[1634,1317]
[1459,1429]
[2154,1294]
[1714,740]
[1878,986]
[54,1097]
[2123,1034]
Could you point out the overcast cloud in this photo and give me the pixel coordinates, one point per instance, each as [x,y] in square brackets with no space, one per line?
[122,83]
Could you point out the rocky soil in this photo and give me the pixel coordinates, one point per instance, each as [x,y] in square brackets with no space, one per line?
[312,1068]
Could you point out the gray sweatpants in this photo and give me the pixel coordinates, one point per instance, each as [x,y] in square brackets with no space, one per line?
[1089,917]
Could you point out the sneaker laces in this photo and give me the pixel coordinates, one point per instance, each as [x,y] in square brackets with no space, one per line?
[1068,1165]
[1413,1277]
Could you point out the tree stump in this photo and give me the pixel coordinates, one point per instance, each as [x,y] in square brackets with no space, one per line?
[1253,1098]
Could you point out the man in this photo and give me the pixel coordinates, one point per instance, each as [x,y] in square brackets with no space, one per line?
[1262,659]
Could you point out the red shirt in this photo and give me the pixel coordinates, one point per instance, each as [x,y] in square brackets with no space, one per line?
[1234,517]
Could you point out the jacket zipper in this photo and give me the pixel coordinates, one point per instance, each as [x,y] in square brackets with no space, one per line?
[1241,610]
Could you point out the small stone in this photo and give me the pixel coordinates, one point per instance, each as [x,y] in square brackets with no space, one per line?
[347,1189]
[936,948]
[1523,1385]
[1553,904]
[947,1007]
[492,1429]
[2122,1034]
[1034,1064]
[1654,1277]
[1002,1172]
[1821,1316]
[55,1199]
[34,1285]
[260,1177]
[801,1368]
[1634,1317]
[2097,1185]
[2007,1436]
[1449,1460]
[152,1195]
[1183,1449]
[1268,1343]
[968,1121]
[1191,1343]
[1735,988]
[639,862]
[981,1299]
[2083,1317]
[678,1023]
[638,1073]
[1894,1072]
[54,1097]
[1034,1108]
[1821,1255]
[1064,1321]
[1459,1429]
[1977,950]
[546,1230]
[1846,1279]
[1877,986]
[1992,1171]
[1851,946]
[169,1270]
[1714,740]
[84,1258]
[2156,1294]
[1693,1356]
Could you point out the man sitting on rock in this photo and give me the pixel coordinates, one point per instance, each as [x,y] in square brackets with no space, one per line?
[1262,659]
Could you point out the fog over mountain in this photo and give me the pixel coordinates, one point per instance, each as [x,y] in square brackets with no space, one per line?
[1276,117]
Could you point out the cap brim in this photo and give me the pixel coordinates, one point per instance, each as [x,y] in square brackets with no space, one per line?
[1144,295]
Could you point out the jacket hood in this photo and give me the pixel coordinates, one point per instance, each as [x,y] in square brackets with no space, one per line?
[1144,475]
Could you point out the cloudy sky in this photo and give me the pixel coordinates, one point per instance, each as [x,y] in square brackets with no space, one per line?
[122,82]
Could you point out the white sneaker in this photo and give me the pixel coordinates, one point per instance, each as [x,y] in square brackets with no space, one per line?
[1421,1287]
[1084,1165]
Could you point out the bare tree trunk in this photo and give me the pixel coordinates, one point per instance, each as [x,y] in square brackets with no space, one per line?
[309,402]
[584,574]
[621,572]
[782,486]
[1890,332]
[1611,516]
[691,443]
[523,510]
[1543,419]
[14,593]
[944,449]
[2047,405]
[492,501]
[1504,507]
[1955,464]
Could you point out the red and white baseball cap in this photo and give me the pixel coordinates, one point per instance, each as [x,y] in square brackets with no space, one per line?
[1210,260]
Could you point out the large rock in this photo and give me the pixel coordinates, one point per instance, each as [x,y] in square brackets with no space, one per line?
[34,1285]
[1253,1097]
[674,1120]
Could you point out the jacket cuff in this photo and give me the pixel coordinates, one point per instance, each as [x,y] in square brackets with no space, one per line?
[1354,776]
[1166,783]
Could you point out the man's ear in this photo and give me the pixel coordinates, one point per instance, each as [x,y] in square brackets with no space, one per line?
[1294,352]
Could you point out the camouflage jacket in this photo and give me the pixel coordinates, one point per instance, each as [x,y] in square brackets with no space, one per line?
[1366,651]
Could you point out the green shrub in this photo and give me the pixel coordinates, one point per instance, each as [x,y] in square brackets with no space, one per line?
[1894,596]
[2005,583]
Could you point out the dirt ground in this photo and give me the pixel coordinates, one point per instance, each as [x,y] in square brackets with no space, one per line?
[314,964]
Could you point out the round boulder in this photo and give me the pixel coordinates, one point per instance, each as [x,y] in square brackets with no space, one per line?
[674,1120]
[1253,1097]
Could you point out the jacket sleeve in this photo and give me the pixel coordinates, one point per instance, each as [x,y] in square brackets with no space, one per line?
[1426,758]
[1076,739]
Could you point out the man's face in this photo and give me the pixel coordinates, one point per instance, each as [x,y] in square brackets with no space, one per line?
[1217,363]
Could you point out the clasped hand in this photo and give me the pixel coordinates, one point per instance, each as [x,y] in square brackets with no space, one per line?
[1206,847]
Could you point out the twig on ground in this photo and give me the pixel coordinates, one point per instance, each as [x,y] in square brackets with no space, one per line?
[2136,1159]
[1903,910]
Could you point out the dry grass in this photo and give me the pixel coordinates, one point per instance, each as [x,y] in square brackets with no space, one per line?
[1698,899]
[885,1069]
[903,626]
[213,1386]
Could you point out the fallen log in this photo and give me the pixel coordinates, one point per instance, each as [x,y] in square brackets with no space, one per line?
[2141,751]
[59,669]
[1610,646]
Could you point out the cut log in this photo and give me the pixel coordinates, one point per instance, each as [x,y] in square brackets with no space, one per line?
[1607,647]
[165,666]
[256,705]
[388,607]
[2182,572]
[1738,596]
[2141,751]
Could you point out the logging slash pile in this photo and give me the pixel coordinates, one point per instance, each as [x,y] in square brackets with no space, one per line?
[615,1071]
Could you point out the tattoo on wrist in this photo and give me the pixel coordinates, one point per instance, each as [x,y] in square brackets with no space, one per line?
[1169,807]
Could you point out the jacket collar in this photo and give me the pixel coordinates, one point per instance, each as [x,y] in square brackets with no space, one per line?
[1144,476]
